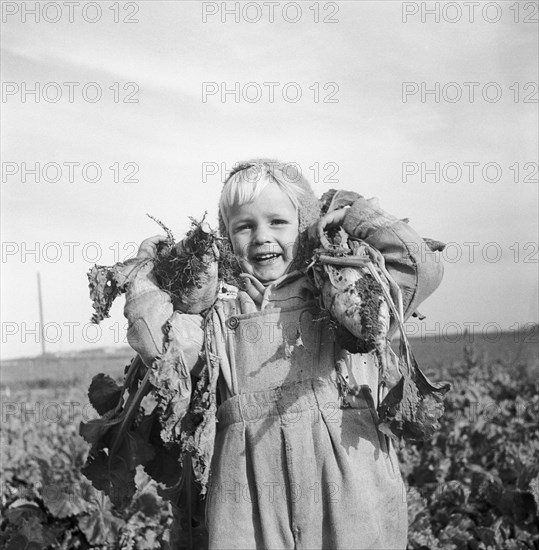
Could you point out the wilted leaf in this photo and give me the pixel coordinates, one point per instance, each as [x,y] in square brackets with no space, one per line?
[106,284]
[134,450]
[412,409]
[94,431]
[104,393]
[165,467]
[435,246]
[199,425]
[172,385]
[113,477]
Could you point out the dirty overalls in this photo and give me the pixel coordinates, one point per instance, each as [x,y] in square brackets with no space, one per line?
[293,467]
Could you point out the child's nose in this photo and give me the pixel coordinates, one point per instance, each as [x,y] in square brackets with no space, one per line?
[262,235]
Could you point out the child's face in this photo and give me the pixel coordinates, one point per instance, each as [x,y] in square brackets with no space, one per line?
[265,233]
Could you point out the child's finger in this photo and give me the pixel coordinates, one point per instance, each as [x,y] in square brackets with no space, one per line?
[253,287]
[322,224]
[148,247]
[156,239]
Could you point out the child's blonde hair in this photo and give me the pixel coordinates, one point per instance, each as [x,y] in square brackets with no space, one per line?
[246,182]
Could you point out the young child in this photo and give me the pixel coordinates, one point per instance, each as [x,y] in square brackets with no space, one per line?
[293,466]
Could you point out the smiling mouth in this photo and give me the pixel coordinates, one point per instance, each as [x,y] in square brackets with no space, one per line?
[267,257]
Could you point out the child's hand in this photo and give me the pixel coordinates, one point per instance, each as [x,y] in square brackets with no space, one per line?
[148,247]
[366,216]
[357,220]
[330,220]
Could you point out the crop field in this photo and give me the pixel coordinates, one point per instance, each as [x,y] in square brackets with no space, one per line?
[474,486]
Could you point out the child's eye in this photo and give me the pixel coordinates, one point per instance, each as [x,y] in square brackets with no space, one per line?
[279,222]
[242,227]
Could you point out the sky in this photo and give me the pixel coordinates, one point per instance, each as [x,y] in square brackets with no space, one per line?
[374,97]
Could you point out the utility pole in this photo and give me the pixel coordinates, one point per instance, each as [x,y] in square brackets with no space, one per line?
[41,330]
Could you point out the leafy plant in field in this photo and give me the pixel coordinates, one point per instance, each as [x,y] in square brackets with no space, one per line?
[46,503]
[475,484]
